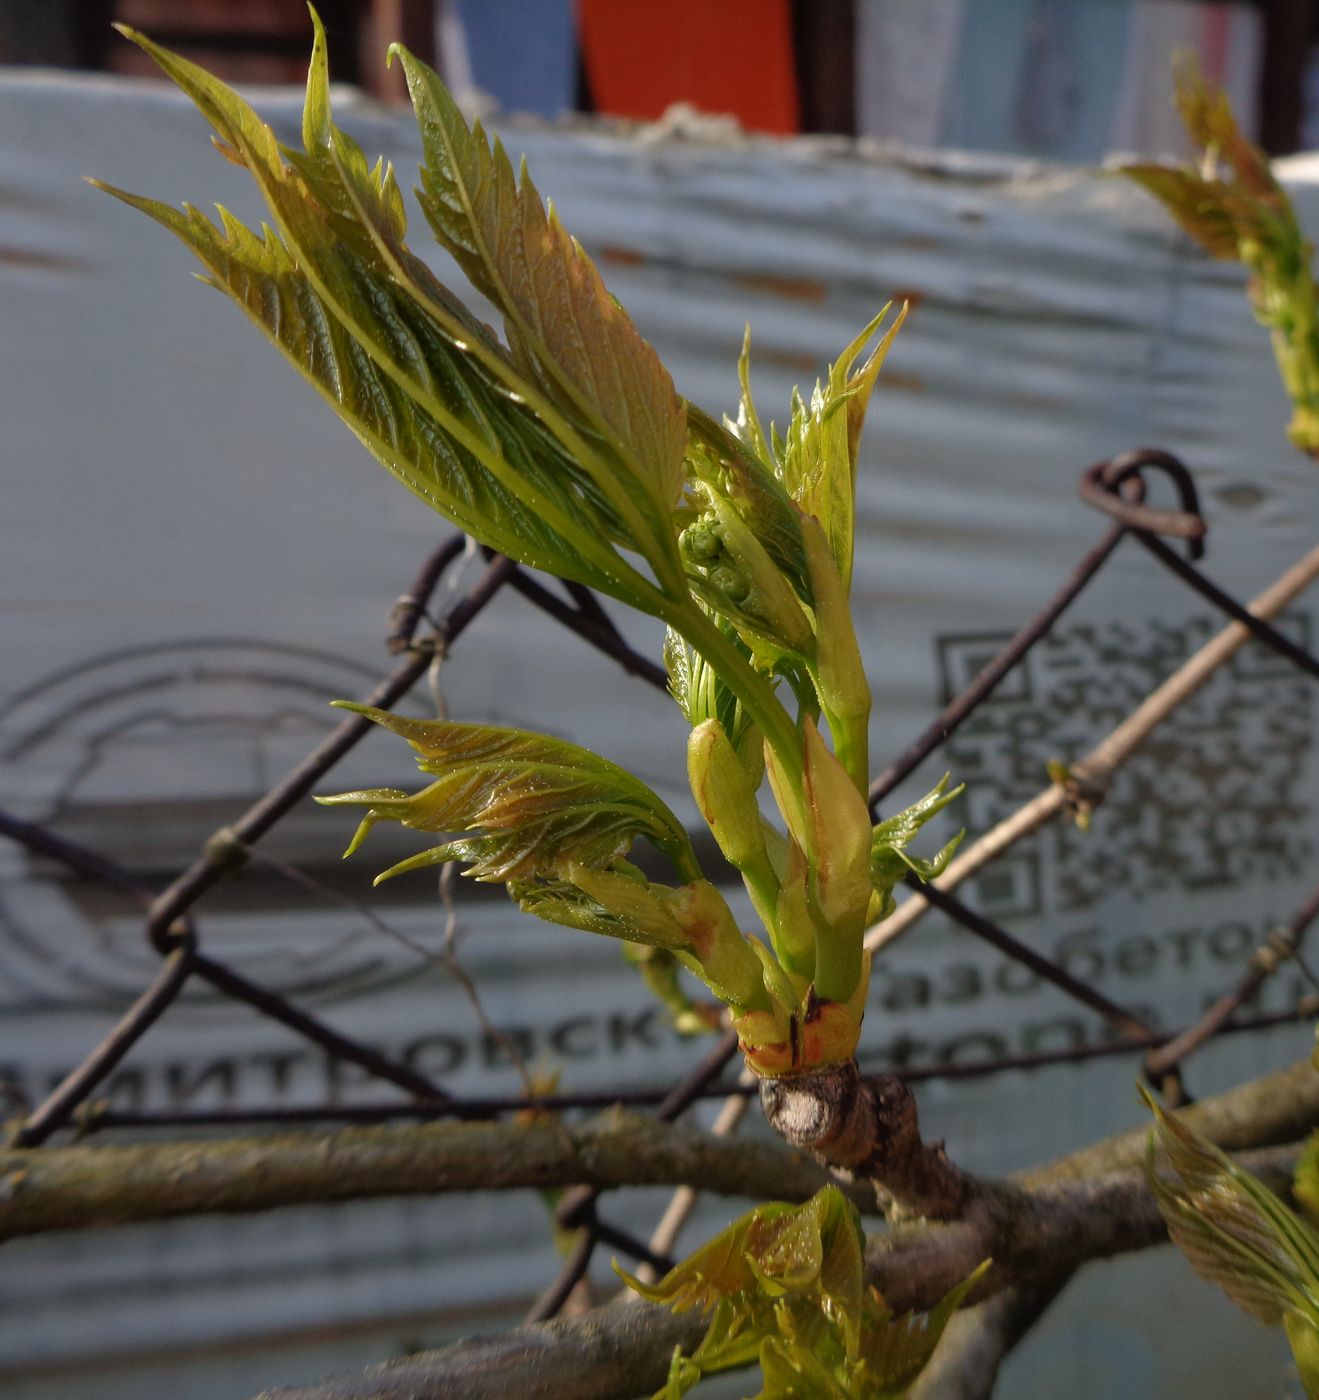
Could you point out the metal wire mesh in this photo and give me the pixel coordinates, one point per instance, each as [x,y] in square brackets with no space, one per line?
[1117,487]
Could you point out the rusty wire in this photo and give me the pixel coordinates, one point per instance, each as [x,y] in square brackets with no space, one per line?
[1116,487]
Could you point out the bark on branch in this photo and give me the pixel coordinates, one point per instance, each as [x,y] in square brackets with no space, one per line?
[1090,1205]
[869,1128]
[69,1188]
[615,1352]
[623,1350]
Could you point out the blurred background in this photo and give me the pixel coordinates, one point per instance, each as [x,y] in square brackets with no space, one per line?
[195,558]
[1064,79]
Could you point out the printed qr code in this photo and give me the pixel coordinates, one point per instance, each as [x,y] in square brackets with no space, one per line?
[1223,791]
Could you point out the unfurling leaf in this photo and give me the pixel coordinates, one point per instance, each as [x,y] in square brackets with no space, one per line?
[426,388]
[565,329]
[837,845]
[889,858]
[723,464]
[1243,213]
[836,668]
[1236,1233]
[786,1285]
[818,455]
[527,805]
[1303,1338]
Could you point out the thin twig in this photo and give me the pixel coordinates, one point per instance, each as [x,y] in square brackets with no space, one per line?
[1260,629]
[592,624]
[1283,944]
[579,1206]
[560,1289]
[312,1028]
[226,849]
[410,607]
[81,859]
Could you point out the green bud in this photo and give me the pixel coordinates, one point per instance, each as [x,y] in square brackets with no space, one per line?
[795,919]
[701,540]
[730,583]
[728,960]
[838,671]
[726,797]
[770,598]
[838,849]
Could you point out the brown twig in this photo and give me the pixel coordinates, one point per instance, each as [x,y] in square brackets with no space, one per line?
[1224,602]
[409,608]
[869,1128]
[612,1353]
[1284,943]
[1127,1022]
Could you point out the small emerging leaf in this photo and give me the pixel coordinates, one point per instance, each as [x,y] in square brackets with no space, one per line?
[1303,1338]
[531,805]
[1306,1183]
[889,858]
[786,1285]
[1234,1231]
[819,452]
[1235,209]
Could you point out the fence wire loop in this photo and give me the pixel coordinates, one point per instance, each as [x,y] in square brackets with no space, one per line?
[1101,486]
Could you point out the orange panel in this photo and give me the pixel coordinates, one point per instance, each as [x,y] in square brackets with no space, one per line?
[720,55]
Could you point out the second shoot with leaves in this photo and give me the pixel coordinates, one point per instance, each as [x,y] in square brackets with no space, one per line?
[564,445]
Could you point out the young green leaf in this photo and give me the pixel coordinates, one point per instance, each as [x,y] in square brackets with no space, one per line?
[818,456]
[1243,213]
[425,387]
[836,669]
[894,1354]
[564,327]
[451,471]
[785,1285]
[1233,1230]
[530,805]
[889,858]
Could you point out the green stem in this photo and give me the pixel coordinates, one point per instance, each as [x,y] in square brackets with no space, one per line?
[686,865]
